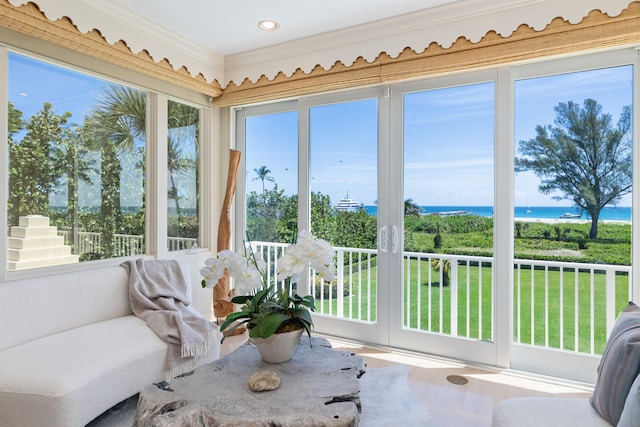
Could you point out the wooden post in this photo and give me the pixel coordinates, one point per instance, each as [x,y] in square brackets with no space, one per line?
[222,305]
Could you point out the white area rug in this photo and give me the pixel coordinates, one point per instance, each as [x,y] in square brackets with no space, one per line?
[385,397]
[387,400]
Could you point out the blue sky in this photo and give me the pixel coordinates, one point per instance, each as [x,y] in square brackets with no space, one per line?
[535,98]
[448,133]
[448,136]
[32,83]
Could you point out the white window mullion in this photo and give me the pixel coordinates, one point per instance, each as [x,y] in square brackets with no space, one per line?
[156,189]
[4,154]
[209,120]
[635,198]
[503,218]
[391,197]
[304,190]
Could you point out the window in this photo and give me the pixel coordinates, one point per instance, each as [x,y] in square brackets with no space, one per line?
[76,166]
[573,136]
[77,157]
[448,197]
[182,175]
[343,158]
[271,177]
[428,276]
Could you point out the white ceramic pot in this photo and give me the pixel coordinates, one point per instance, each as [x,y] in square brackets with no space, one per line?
[278,348]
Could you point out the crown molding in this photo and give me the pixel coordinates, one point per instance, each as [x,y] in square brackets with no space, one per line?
[443,25]
[116,23]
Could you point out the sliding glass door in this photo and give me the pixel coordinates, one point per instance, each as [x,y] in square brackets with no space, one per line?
[485,216]
[446,279]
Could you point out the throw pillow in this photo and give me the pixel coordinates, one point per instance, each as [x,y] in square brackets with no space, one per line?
[631,413]
[619,366]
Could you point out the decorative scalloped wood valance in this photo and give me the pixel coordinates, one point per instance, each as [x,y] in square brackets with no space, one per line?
[466,35]
[595,32]
[28,19]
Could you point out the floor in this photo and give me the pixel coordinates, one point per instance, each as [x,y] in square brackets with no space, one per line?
[450,404]
[462,405]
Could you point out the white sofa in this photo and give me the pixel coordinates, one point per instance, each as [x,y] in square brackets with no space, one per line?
[616,396]
[70,348]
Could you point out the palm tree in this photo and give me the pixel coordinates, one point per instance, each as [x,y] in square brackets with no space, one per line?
[442,264]
[116,124]
[182,155]
[263,175]
[412,209]
[71,160]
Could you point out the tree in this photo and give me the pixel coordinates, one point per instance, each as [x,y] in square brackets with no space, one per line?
[355,229]
[266,215]
[583,156]
[182,164]
[442,264]
[411,208]
[262,173]
[323,223]
[118,125]
[71,161]
[113,127]
[33,172]
[16,124]
[15,120]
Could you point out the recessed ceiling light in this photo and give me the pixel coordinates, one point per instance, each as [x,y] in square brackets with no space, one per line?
[268,25]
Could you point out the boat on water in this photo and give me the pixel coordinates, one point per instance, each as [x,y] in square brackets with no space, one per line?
[347,204]
[570,215]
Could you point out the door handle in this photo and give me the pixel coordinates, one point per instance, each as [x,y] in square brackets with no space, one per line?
[383,239]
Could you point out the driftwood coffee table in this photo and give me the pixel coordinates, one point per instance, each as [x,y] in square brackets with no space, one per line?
[319,387]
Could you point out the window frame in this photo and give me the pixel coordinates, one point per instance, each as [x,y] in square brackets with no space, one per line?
[504,77]
[158,94]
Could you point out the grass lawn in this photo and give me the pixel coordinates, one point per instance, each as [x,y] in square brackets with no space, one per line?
[428,305]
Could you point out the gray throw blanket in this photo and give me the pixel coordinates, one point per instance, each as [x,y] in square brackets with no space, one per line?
[158,294]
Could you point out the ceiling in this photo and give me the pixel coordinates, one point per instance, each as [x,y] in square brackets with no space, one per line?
[230,27]
[220,39]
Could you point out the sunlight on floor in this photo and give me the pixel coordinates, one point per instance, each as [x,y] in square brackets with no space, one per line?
[470,404]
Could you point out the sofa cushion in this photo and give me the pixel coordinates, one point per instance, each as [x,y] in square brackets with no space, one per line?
[67,379]
[631,413]
[546,412]
[619,366]
[37,307]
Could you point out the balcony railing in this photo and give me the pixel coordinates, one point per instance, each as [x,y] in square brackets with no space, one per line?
[557,305]
[124,244]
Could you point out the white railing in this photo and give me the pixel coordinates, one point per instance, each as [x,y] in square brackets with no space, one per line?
[574,305]
[128,245]
[449,294]
[180,243]
[124,244]
[270,253]
[562,305]
[354,287]
[89,242]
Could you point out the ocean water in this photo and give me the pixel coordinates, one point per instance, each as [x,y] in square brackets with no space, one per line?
[543,212]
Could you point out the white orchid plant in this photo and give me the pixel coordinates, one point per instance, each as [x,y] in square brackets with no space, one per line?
[266,310]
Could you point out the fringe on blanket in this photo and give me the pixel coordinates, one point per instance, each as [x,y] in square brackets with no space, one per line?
[194,352]
[181,369]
